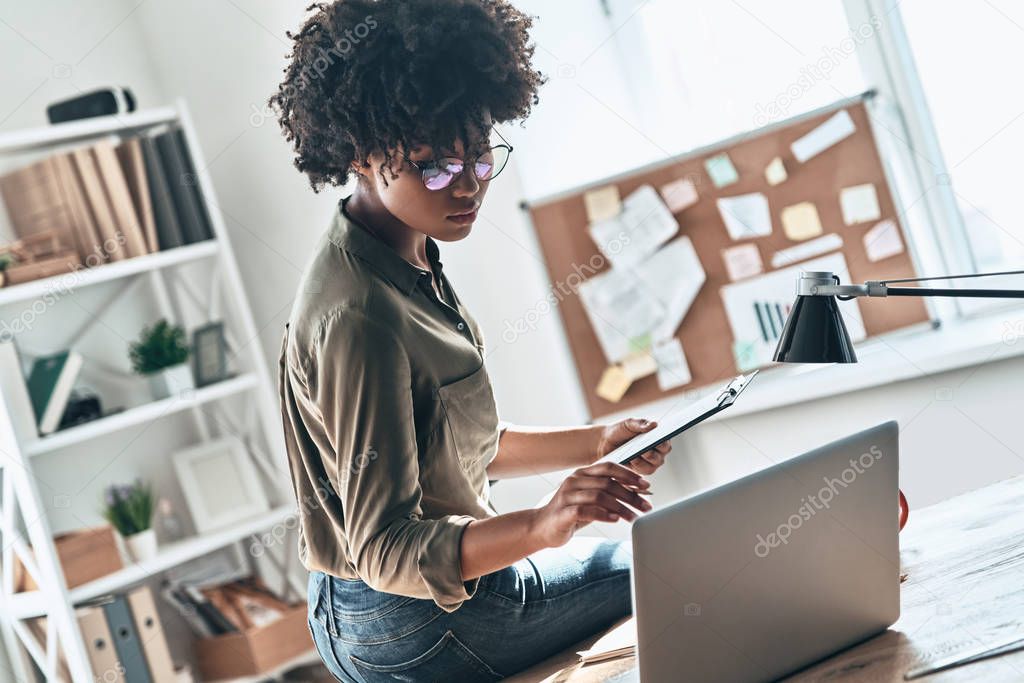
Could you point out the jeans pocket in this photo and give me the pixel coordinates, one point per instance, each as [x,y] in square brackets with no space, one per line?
[448,659]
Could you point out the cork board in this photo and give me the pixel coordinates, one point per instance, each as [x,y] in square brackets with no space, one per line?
[561,227]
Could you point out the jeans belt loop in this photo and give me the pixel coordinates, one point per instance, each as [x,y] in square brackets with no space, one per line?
[332,627]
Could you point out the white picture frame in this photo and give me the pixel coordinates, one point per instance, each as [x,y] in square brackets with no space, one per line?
[219,483]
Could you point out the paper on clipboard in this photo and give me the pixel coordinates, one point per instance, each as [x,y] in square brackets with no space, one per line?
[674,423]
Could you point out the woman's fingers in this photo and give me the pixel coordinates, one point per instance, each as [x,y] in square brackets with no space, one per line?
[615,470]
[602,499]
[614,488]
[594,513]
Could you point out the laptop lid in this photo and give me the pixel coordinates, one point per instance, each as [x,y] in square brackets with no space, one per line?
[764,575]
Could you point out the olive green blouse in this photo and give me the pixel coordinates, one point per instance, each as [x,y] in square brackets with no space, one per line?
[389,417]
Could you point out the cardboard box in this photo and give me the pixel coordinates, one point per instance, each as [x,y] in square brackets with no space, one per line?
[255,650]
[84,554]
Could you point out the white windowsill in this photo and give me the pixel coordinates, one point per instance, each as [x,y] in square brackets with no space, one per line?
[904,355]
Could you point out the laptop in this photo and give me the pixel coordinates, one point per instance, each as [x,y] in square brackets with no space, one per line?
[760,577]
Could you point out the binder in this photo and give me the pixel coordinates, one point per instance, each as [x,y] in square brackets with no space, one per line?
[676,423]
[99,644]
[126,639]
[151,634]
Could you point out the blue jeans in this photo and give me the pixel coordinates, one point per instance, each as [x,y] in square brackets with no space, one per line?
[518,616]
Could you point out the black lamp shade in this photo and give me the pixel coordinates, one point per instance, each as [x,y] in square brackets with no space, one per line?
[815,333]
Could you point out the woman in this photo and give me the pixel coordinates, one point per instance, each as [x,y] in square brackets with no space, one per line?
[389,417]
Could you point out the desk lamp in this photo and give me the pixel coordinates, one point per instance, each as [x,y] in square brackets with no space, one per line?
[815,332]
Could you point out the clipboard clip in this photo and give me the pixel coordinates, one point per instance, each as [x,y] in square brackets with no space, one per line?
[734,388]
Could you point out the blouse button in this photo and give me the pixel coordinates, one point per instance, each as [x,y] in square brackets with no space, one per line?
[461,325]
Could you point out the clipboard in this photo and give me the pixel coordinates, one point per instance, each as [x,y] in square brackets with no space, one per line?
[671,425]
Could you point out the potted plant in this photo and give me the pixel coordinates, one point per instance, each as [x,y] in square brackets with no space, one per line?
[129,509]
[161,354]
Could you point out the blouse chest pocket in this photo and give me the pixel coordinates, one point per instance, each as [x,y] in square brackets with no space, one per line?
[471,417]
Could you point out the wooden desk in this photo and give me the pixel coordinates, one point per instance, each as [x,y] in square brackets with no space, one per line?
[964,560]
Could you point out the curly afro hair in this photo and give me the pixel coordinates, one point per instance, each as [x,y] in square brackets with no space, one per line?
[380,75]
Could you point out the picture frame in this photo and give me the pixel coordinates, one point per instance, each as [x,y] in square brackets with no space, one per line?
[209,354]
[219,483]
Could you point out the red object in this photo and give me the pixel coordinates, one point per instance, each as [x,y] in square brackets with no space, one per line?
[904,510]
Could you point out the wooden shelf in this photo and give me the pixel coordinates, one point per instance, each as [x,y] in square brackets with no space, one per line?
[66,283]
[33,603]
[139,414]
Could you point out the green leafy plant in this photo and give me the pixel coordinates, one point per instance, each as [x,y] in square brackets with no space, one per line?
[129,507]
[159,346]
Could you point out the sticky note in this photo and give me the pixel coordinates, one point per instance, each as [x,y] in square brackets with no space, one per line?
[638,364]
[745,353]
[614,383]
[721,170]
[679,194]
[746,215]
[836,128]
[883,241]
[673,370]
[800,221]
[775,172]
[602,204]
[742,261]
[859,204]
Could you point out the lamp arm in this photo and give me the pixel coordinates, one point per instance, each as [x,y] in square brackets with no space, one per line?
[827,284]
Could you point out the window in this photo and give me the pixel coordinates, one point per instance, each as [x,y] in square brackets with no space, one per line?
[965,55]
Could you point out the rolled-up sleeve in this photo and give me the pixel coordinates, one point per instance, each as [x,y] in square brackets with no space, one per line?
[359,378]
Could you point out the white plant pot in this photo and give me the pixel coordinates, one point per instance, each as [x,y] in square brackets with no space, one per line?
[171,381]
[141,546]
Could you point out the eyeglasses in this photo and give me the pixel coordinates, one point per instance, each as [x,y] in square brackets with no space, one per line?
[438,174]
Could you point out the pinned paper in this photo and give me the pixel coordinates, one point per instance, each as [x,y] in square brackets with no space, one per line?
[614,384]
[746,215]
[810,248]
[836,128]
[883,241]
[638,365]
[775,172]
[673,275]
[758,307]
[602,204]
[800,221]
[673,370]
[721,170]
[679,194]
[742,261]
[643,224]
[859,204]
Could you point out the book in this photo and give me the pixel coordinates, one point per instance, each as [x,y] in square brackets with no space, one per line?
[619,641]
[120,198]
[183,186]
[88,177]
[15,392]
[49,385]
[129,153]
[168,229]
[205,224]
[87,236]
[36,202]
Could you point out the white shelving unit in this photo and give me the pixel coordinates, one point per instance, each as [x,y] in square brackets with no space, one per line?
[250,387]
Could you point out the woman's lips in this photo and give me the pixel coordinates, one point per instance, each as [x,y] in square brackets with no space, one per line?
[463,218]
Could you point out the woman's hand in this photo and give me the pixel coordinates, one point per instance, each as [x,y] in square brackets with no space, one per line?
[618,433]
[593,493]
